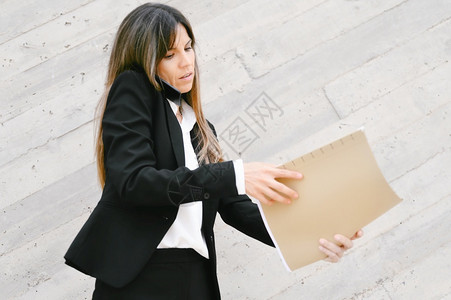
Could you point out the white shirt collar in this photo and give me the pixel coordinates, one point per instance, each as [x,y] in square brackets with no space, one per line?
[189,117]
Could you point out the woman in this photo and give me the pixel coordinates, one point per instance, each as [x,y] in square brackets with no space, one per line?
[151,234]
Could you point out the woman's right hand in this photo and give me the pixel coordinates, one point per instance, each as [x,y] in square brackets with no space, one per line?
[261,183]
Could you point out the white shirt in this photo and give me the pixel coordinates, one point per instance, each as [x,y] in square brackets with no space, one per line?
[186,232]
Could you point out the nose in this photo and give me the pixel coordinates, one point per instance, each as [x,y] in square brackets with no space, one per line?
[185,60]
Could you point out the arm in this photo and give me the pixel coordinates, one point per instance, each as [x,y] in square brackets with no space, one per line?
[240,213]
[130,161]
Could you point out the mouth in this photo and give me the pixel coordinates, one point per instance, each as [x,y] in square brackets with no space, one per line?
[187,75]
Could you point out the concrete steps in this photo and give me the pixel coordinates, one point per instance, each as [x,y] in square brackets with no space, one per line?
[318,69]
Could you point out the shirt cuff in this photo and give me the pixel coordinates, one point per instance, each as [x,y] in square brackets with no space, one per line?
[239,176]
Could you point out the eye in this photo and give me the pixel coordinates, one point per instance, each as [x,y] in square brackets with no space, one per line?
[188,48]
[169,56]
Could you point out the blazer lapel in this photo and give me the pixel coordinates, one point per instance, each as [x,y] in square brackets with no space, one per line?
[175,134]
[194,139]
[172,94]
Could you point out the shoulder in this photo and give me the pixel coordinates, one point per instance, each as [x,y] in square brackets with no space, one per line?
[134,79]
[132,87]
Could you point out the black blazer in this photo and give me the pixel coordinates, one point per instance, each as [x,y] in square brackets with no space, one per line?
[146,181]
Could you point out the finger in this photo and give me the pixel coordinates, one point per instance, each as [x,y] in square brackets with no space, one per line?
[332,247]
[274,195]
[331,256]
[344,241]
[357,235]
[264,200]
[283,189]
[284,173]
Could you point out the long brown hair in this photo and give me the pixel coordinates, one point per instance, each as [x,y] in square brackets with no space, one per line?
[143,39]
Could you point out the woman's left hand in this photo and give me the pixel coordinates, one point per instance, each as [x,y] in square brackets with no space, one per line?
[333,251]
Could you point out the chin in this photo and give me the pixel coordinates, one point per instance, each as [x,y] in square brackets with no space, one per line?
[185,88]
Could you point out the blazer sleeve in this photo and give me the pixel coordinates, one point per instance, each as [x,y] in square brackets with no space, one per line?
[130,161]
[241,213]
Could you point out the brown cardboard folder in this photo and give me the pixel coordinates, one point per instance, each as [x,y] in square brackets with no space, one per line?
[342,191]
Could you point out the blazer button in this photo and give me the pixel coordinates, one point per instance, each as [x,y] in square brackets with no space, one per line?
[206,196]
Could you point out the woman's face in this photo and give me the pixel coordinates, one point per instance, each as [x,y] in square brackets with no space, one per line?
[177,67]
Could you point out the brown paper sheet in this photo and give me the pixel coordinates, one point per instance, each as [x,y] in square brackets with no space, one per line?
[342,190]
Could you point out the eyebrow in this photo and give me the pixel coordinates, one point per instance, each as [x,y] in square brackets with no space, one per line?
[189,41]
